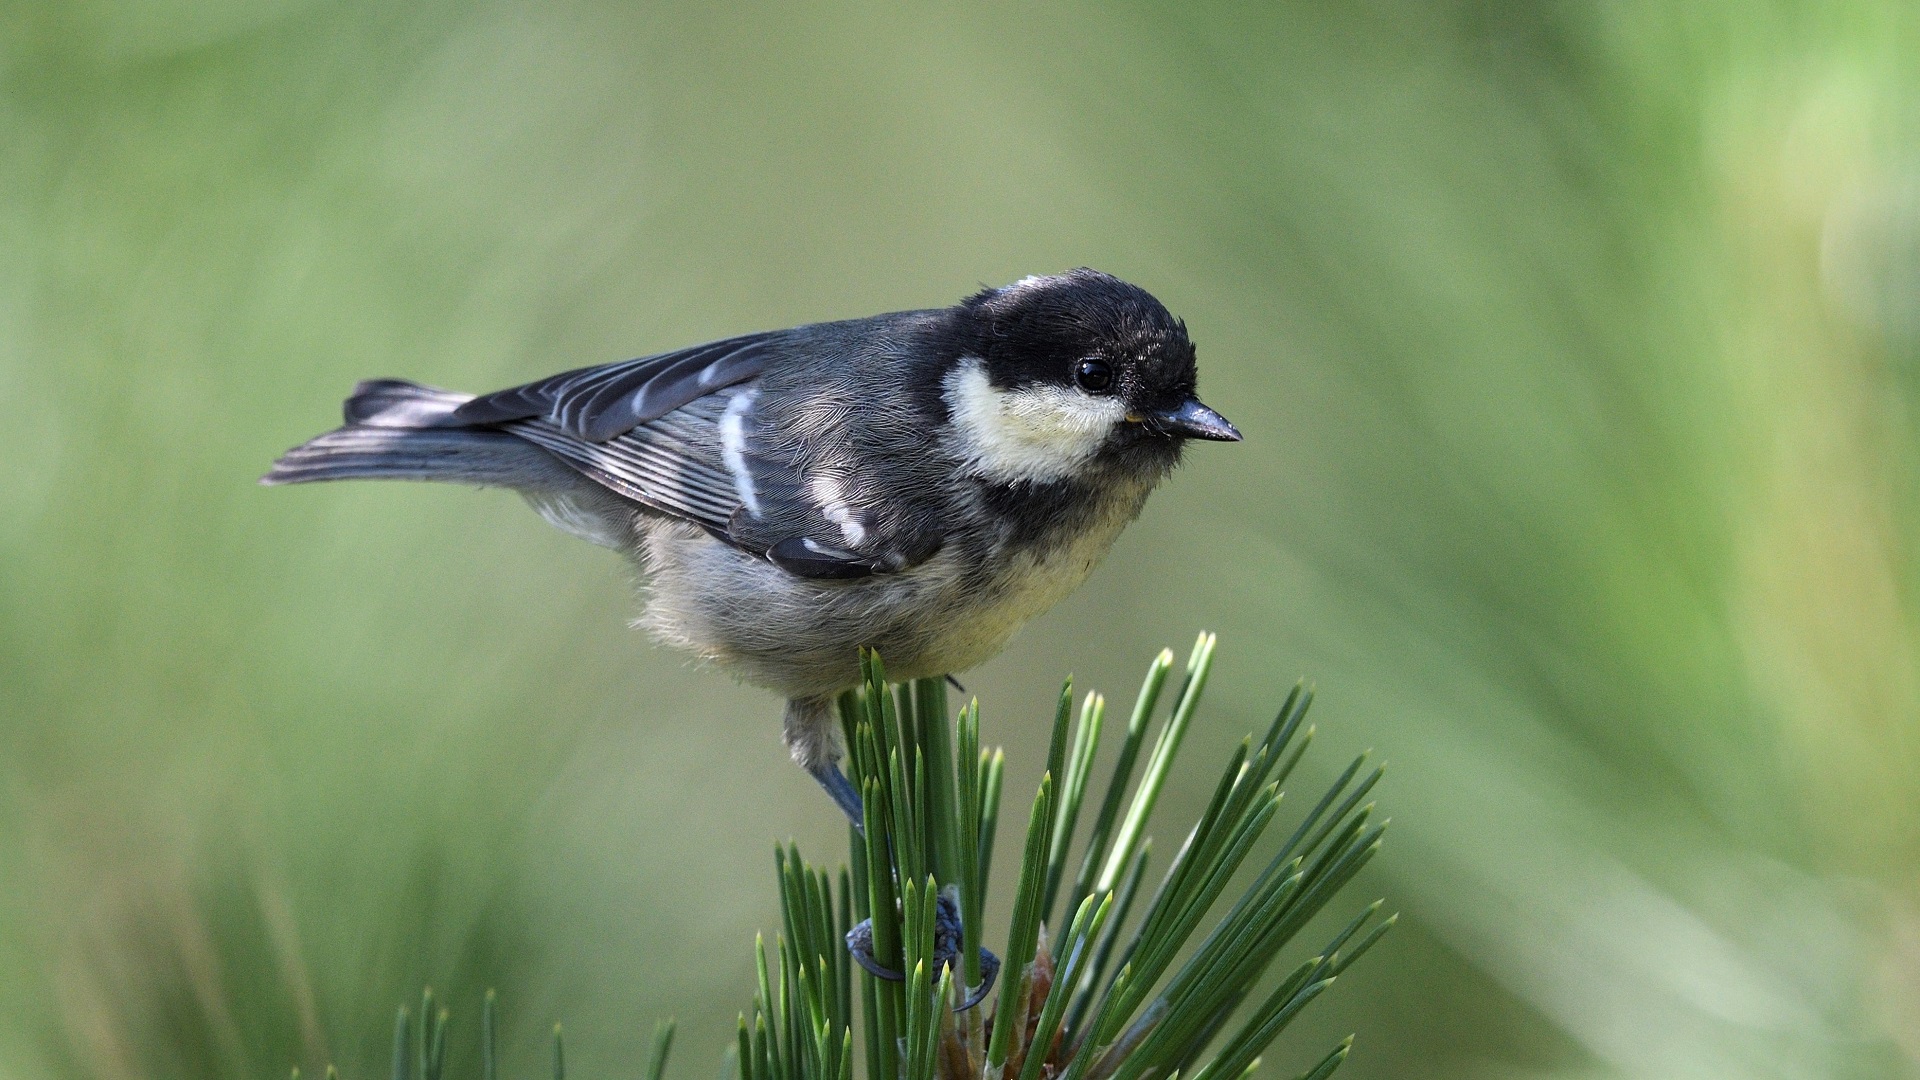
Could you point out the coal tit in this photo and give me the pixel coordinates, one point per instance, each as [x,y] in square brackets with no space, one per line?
[921,483]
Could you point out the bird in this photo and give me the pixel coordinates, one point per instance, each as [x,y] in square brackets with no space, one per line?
[918,483]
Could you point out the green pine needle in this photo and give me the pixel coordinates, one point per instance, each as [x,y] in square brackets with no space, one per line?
[402,1056]
[489,1053]
[1140,985]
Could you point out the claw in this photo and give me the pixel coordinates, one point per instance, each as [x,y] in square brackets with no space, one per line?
[989,968]
[860,944]
[946,946]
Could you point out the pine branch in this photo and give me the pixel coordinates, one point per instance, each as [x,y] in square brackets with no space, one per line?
[1105,1000]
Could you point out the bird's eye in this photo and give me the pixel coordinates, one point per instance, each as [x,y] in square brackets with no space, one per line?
[1094,376]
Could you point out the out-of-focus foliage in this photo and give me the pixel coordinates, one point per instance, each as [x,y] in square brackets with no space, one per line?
[1576,346]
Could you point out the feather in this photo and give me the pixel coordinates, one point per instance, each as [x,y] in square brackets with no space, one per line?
[599,403]
[687,433]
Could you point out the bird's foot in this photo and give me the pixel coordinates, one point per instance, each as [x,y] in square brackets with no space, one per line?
[946,952]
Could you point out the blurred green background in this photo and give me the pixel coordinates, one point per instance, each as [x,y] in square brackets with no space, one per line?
[1577,347]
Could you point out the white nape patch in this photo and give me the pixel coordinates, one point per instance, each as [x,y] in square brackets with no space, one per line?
[733,448]
[1035,434]
[833,506]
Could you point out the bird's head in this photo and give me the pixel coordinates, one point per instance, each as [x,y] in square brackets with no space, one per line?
[1058,375]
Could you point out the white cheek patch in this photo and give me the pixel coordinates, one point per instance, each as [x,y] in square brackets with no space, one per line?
[1035,434]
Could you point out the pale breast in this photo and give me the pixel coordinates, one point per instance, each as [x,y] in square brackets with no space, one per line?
[1029,582]
[803,637]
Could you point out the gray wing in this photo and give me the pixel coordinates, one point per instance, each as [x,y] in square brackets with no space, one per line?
[599,403]
[831,504]
[678,433]
[673,464]
[705,462]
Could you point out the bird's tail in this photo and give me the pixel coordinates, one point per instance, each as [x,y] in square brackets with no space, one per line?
[390,434]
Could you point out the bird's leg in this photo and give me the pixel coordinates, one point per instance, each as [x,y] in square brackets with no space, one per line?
[808,728]
[840,789]
[947,943]
[809,731]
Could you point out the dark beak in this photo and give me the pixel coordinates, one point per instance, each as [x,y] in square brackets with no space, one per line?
[1192,420]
